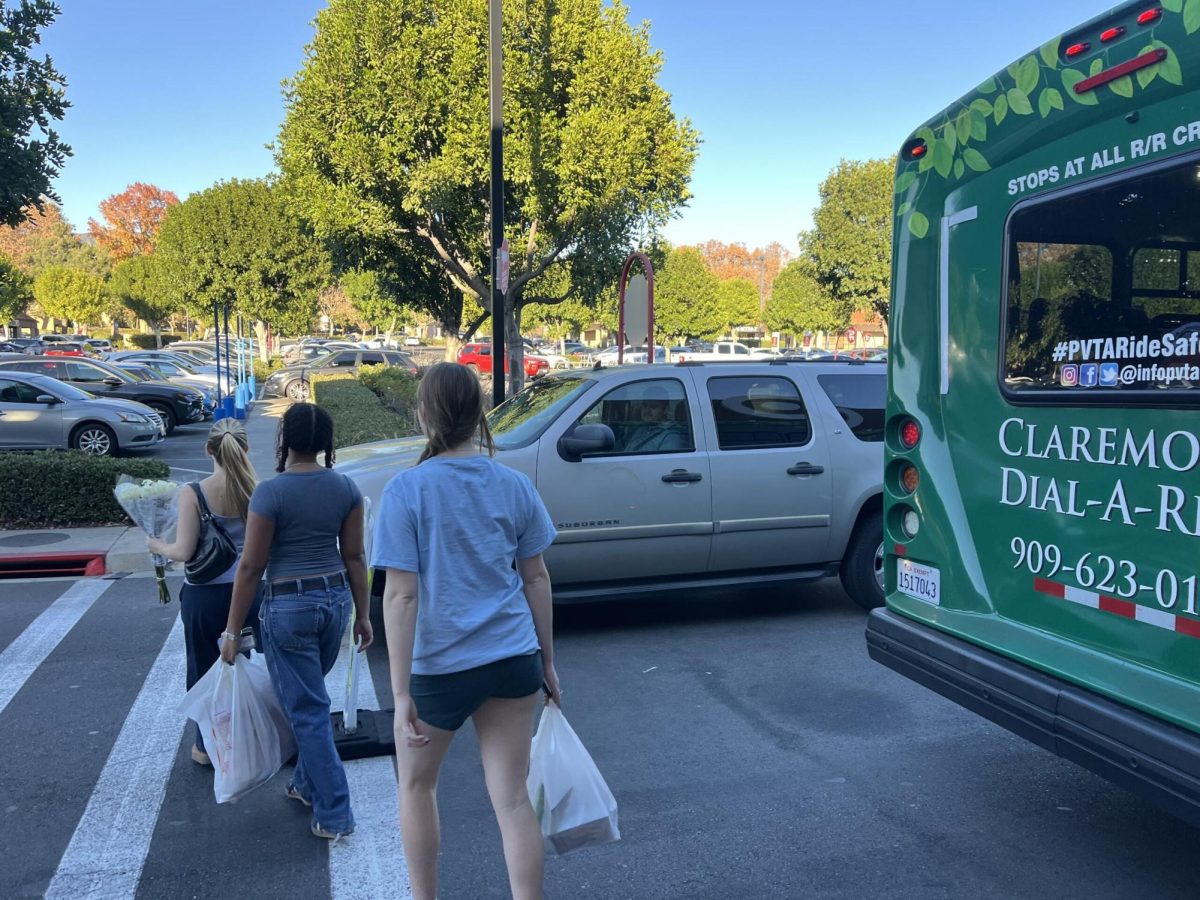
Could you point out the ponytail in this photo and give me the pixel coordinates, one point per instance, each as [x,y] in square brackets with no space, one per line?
[227,442]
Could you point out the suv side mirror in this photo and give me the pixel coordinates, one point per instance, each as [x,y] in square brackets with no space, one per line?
[113,381]
[48,399]
[586,439]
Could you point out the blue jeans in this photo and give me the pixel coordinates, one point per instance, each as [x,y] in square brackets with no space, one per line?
[302,633]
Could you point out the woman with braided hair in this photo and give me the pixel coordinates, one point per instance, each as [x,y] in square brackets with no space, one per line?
[466,605]
[204,608]
[305,531]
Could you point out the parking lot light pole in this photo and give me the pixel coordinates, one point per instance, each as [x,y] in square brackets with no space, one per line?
[496,104]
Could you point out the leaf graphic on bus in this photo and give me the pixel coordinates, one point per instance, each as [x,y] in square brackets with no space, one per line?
[959,168]
[1027,75]
[918,225]
[1018,102]
[950,137]
[981,106]
[1070,78]
[1169,68]
[1096,67]
[978,126]
[1173,5]
[962,126]
[1122,87]
[988,87]
[1049,52]
[905,181]
[943,156]
[905,208]
[975,160]
[1001,108]
[1191,16]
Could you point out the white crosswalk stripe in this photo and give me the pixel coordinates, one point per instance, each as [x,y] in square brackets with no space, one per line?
[22,657]
[109,847]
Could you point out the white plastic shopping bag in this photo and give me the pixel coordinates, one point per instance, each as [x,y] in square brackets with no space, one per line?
[246,732]
[574,806]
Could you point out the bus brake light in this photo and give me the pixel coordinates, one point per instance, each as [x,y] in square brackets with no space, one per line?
[909,479]
[1076,49]
[910,434]
[1111,34]
[1150,15]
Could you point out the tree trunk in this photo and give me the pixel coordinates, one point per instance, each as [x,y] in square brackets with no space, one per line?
[157,335]
[387,339]
[260,332]
[513,347]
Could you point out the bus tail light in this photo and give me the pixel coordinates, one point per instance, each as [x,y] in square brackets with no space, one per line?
[914,149]
[910,434]
[910,478]
[1111,34]
[1076,49]
[1150,15]
[910,522]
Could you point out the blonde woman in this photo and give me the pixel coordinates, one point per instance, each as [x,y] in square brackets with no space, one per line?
[204,608]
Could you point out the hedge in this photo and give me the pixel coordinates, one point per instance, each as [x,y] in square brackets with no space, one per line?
[148,342]
[53,489]
[397,390]
[358,415]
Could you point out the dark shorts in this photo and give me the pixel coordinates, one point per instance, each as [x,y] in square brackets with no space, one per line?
[446,701]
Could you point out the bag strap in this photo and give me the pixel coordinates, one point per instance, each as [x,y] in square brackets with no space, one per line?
[205,513]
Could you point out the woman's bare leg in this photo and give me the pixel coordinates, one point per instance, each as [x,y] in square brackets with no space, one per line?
[505,729]
[417,775]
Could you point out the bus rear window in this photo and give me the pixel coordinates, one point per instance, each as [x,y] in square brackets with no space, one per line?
[1104,293]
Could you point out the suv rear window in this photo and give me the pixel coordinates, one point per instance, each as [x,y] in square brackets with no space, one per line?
[758,412]
[860,399]
[1104,292]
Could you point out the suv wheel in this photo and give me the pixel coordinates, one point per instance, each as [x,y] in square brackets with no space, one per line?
[862,567]
[94,439]
[167,416]
[297,390]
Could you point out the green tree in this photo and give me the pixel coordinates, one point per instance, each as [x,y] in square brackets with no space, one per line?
[31,96]
[799,303]
[373,303]
[44,238]
[71,294]
[138,285]
[16,291]
[850,243]
[238,244]
[737,303]
[685,296]
[385,146]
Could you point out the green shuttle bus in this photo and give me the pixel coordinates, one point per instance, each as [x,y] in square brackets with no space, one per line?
[1042,512]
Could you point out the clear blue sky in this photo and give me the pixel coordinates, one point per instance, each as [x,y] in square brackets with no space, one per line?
[182,93]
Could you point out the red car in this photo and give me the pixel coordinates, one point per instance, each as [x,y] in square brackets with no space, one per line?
[62,348]
[478,358]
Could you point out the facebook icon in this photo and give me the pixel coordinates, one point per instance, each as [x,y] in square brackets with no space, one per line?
[1089,375]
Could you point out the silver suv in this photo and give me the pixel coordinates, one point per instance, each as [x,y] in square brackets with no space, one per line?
[668,477]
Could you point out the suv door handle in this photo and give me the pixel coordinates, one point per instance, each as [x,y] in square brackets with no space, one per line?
[682,476]
[803,468]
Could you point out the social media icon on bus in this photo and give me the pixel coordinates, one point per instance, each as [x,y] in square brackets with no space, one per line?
[1069,375]
[1109,374]
[1089,375]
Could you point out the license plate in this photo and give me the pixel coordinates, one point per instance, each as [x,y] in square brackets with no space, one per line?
[918,581]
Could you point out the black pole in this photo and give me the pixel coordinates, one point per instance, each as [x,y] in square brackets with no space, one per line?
[496,69]
[217,344]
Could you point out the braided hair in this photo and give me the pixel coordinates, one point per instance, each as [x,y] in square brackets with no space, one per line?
[305,428]
[450,406]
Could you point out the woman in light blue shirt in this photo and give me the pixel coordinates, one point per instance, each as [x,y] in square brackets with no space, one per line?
[467,610]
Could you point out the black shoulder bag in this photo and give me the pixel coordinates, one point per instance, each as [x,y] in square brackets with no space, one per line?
[215,550]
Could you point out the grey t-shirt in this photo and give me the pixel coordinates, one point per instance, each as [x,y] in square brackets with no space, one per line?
[308,509]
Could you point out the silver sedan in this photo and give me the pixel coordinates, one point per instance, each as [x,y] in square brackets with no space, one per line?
[42,413]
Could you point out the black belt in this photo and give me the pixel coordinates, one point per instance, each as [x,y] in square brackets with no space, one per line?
[312,583]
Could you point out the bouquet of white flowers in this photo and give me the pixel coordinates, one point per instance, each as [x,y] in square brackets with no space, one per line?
[151,505]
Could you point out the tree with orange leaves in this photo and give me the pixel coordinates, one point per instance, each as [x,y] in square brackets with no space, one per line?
[760,265]
[133,218]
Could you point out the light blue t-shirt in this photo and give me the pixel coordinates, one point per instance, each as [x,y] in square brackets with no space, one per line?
[460,523]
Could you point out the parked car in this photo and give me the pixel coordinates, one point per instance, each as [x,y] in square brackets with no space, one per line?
[99,345]
[682,476]
[6,347]
[477,357]
[292,381]
[64,348]
[807,353]
[56,339]
[412,341]
[304,353]
[146,373]
[633,356]
[41,413]
[204,352]
[868,354]
[31,346]
[176,365]
[175,404]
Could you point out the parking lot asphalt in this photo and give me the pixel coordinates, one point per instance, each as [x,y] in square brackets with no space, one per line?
[754,750]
